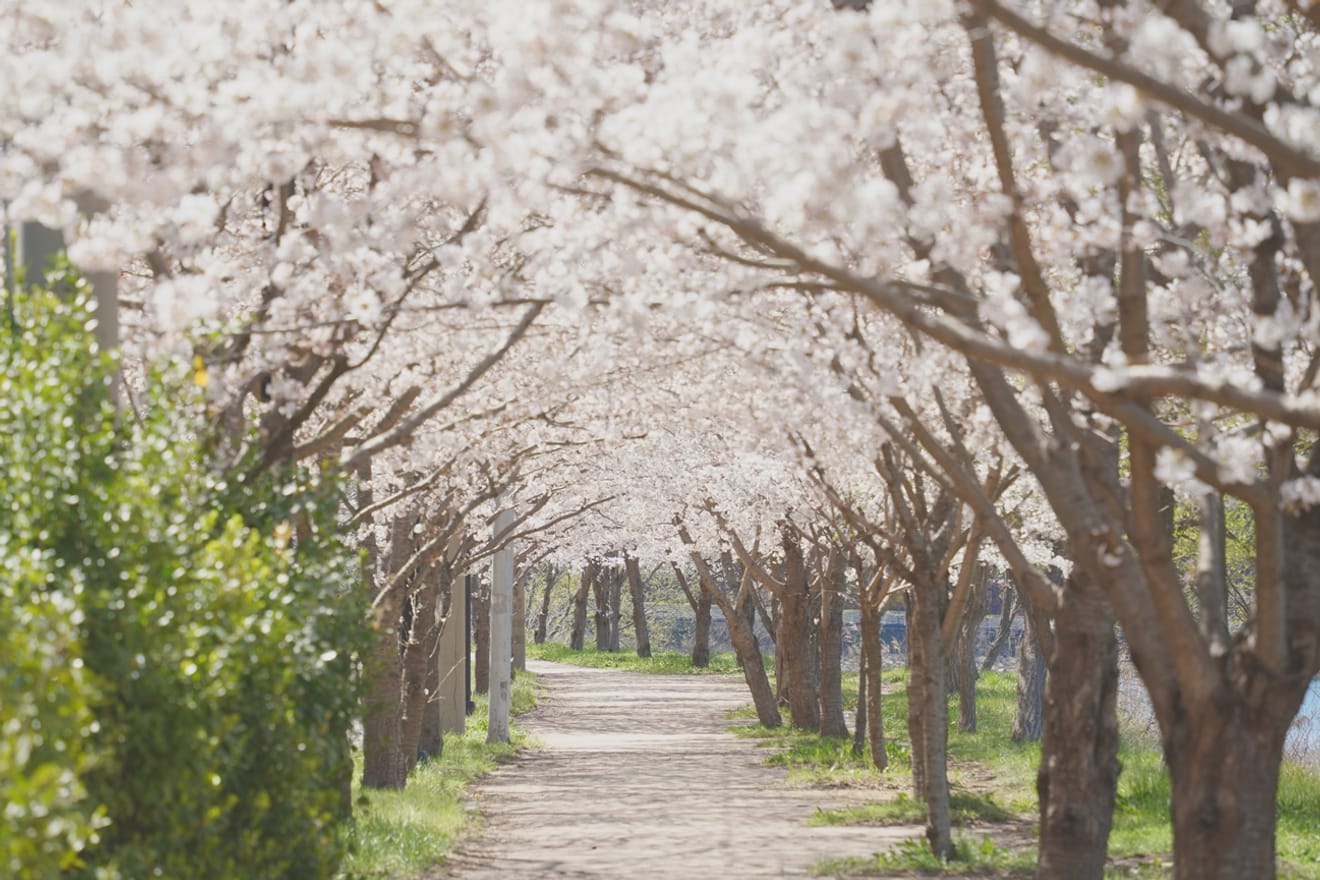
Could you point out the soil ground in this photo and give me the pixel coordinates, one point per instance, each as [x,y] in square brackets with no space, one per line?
[636,775]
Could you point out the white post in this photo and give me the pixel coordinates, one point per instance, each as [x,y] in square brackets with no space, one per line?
[501,633]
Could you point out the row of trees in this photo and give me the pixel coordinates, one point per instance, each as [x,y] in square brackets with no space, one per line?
[897,289]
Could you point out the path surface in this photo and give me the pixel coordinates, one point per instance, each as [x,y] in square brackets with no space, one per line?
[638,777]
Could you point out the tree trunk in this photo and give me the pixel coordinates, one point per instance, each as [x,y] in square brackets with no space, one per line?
[383,764]
[418,650]
[1029,710]
[781,672]
[700,604]
[481,636]
[965,656]
[859,725]
[830,641]
[1078,776]
[578,637]
[518,638]
[1005,632]
[616,606]
[916,721]
[600,589]
[739,615]
[927,680]
[431,743]
[1224,763]
[543,615]
[794,640]
[640,628]
[872,668]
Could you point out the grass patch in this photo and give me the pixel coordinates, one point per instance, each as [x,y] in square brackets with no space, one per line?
[964,806]
[402,834]
[913,857]
[993,779]
[1142,828]
[661,662]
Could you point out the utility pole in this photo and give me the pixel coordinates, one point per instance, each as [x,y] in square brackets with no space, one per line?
[501,632]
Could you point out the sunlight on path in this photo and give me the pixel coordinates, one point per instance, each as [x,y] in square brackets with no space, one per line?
[638,777]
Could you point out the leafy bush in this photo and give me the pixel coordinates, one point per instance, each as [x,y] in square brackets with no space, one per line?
[205,670]
[46,819]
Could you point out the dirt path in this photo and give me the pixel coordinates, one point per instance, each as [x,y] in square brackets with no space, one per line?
[637,777]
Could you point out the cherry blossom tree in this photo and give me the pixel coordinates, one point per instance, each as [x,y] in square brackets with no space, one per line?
[580,252]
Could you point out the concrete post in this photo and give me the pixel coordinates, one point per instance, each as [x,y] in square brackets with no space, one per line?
[501,634]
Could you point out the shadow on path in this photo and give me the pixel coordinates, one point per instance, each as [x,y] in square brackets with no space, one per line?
[638,777]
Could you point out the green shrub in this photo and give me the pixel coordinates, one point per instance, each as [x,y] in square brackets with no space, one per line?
[214,655]
[46,818]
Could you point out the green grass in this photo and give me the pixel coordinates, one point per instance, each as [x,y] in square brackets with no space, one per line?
[402,834]
[661,662]
[993,780]
[1141,816]
[976,857]
[965,806]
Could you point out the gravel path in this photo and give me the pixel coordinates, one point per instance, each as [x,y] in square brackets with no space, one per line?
[637,776]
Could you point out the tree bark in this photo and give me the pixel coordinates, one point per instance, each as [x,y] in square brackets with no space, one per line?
[738,614]
[600,617]
[932,731]
[418,657]
[872,669]
[518,637]
[578,636]
[635,586]
[1029,709]
[700,603]
[616,606]
[830,641]
[543,615]
[794,640]
[383,762]
[1078,776]
[701,633]
[1224,767]
[916,720]
[965,655]
[781,671]
[859,725]
[431,742]
[481,636]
